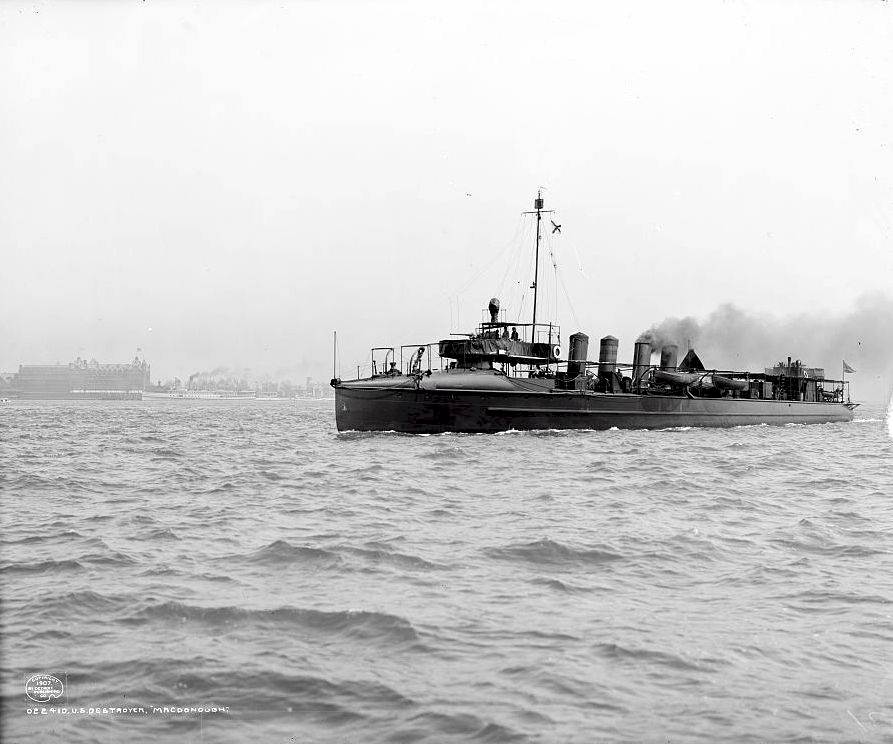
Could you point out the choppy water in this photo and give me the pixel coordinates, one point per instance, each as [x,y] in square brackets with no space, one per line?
[681,585]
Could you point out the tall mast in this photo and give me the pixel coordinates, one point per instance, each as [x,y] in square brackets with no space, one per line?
[538,206]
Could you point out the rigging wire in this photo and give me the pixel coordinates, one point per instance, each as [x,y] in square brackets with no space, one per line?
[567,297]
[513,252]
[579,261]
[519,295]
[559,280]
[499,254]
[513,260]
[503,253]
[554,260]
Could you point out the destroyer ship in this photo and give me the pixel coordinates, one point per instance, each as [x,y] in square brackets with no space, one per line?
[512,375]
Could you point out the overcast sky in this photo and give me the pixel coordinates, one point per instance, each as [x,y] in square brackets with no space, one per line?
[227,183]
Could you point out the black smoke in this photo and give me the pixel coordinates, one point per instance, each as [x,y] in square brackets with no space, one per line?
[732,338]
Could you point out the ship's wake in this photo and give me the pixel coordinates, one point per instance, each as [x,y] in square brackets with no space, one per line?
[890,417]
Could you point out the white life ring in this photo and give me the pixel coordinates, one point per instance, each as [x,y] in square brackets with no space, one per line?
[556,352]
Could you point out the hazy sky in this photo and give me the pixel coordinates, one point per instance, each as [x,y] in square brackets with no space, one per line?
[227,183]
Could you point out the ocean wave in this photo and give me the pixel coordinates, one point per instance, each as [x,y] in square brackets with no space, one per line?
[351,435]
[548,433]
[815,542]
[557,584]
[43,538]
[444,454]
[425,723]
[271,475]
[400,560]
[497,733]
[547,551]
[827,596]
[111,558]
[41,567]
[220,488]
[63,483]
[358,624]
[330,700]
[85,603]
[166,453]
[281,551]
[652,656]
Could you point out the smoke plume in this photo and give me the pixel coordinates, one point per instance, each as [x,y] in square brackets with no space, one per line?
[731,338]
[220,378]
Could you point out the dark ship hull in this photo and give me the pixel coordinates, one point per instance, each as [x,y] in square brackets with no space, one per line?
[498,403]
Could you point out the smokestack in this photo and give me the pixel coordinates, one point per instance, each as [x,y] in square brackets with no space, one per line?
[669,355]
[578,348]
[607,356]
[641,360]
[493,307]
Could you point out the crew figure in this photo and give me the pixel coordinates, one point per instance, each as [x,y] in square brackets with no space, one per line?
[515,334]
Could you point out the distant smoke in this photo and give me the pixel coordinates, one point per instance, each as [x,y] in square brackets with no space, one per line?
[219,378]
[227,379]
[731,338]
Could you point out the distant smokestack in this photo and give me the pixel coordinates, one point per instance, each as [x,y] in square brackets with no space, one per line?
[493,307]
